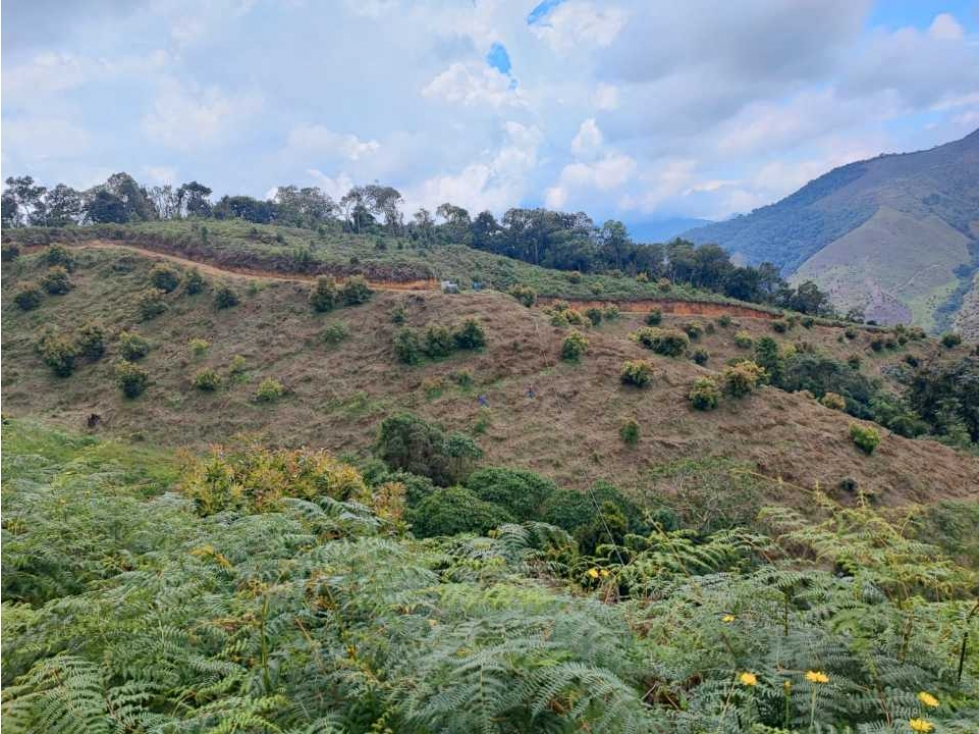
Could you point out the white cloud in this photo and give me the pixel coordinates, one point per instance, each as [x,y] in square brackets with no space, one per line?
[473,84]
[187,119]
[42,139]
[318,139]
[579,24]
[665,180]
[607,97]
[946,28]
[588,139]
[582,179]
[160,174]
[53,72]
[334,187]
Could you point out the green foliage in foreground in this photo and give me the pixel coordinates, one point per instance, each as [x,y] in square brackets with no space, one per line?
[126,611]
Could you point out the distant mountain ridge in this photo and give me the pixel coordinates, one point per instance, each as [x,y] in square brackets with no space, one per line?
[896,235]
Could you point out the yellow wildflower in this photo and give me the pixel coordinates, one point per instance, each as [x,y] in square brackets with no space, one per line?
[605,573]
[921,726]
[593,572]
[816,676]
[928,700]
[748,679]
[728,618]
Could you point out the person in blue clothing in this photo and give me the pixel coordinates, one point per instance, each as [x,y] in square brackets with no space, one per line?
[483,401]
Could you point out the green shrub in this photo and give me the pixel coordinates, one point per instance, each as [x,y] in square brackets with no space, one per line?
[664,285]
[335,333]
[769,357]
[693,329]
[57,351]
[854,361]
[164,277]
[150,303]
[833,401]
[9,252]
[724,321]
[407,346]
[237,366]
[56,281]
[865,437]
[597,288]
[629,432]
[132,346]
[131,378]
[638,373]
[808,322]
[877,344]
[225,297]
[524,294]
[781,326]
[29,295]
[199,347]
[654,317]
[454,510]
[269,390]
[207,380]
[519,492]
[594,315]
[463,378]
[399,315]
[951,340]
[438,341]
[850,332]
[194,282]
[574,276]
[407,442]
[574,346]
[56,255]
[91,341]
[743,340]
[668,342]
[571,509]
[742,378]
[355,291]
[469,335]
[704,395]
[574,317]
[325,295]
[701,356]
[611,312]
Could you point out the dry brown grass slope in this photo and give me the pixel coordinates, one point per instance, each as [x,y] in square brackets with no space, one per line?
[337,394]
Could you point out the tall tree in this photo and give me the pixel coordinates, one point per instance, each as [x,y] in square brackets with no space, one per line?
[193,200]
[63,206]
[24,201]
[139,207]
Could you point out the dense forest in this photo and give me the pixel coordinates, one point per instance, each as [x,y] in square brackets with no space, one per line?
[564,241]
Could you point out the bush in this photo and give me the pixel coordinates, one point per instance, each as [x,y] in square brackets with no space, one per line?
[781,326]
[463,378]
[865,437]
[325,295]
[207,380]
[574,276]
[629,432]
[574,346]
[9,252]
[743,340]
[58,352]
[132,346]
[438,341]
[519,492]
[194,283]
[237,366]
[724,321]
[455,510]
[654,317]
[150,303]
[571,509]
[808,322]
[407,442]
[407,347]
[164,277]
[355,291]
[597,288]
[59,255]
[611,312]
[523,293]
[704,395]
[833,401]
[854,361]
[701,356]
[91,341]
[664,285]
[399,315]
[199,347]
[269,390]
[877,344]
[225,297]
[742,378]
[29,296]
[850,332]
[335,333]
[56,281]
[638,373]
[668,342]
[951,340]
[131,378]
[594,315]
[470,335]
[693,329]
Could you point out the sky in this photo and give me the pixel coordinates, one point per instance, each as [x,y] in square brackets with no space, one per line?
[631,110]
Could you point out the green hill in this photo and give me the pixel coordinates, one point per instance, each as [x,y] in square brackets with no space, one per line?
[897,235]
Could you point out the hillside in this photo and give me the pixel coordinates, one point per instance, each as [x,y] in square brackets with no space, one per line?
[342,377]
[897,235]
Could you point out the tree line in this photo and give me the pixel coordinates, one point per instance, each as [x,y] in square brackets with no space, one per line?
[559,240]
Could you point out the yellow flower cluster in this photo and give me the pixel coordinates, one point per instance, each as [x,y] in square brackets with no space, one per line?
[816,676]
[595,573]
[728,618]
[748,679]
[921,726]
[928,700]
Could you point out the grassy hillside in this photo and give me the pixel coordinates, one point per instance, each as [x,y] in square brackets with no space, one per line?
[341,377]
[871,229]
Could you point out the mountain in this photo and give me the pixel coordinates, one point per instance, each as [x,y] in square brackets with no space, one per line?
[896,235]
[663,230]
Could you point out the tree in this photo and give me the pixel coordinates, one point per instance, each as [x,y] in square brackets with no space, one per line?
[23,201]
[106,208]
[193,201]
[385,202]
[423,225]
[244,207]
[135,200]
[63,205]
[307,207]
[614,244]
[456,224]
[165,202]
